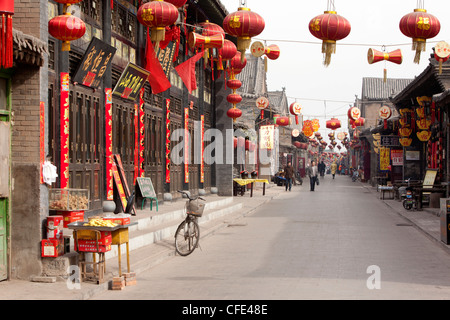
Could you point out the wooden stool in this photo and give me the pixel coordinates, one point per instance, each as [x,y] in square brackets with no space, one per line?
[98,267]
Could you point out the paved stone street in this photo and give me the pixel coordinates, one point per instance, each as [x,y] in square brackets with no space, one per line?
[334,243]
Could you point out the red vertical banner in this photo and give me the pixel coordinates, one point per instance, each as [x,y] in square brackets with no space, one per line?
[64,127]
[186,145]
[108,144]
[167,140]
[202,140]
[42,137]
[136,142]
[141,133]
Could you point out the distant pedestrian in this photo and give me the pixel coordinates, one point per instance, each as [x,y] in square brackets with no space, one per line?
[312,173]
[333,168]
[289,175]
[321,168]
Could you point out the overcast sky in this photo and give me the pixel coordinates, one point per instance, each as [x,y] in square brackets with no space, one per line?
[300,69]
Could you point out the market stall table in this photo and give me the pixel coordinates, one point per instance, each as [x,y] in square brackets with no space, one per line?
[119,236]
[244,182]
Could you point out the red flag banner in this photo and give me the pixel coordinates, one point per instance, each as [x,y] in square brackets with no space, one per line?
[157,78]
[186,71]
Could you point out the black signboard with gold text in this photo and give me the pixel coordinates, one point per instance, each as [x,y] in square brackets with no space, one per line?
[96,60]
[131,81]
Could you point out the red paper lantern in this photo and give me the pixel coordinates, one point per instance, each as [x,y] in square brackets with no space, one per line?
[66,28]
[226,53]
[333,124]
[329,27]
[234,98]
[177,3]
[237,64]
[420,26]
[354,113]
[297,144]
[157,15]
[283,121]
[272,52]
[234,84]
[234,113]
[243,24]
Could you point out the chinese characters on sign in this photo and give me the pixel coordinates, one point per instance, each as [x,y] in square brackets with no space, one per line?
[96,60]
[385,159]
[131,81]
[267,137]
[390,141]
[397,157]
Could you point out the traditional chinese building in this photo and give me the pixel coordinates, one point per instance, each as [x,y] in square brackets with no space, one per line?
[76,108]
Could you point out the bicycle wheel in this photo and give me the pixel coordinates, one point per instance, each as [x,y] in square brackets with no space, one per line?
[186,237]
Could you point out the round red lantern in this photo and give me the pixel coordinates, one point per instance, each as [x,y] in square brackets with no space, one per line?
[385,113]
[329,27]
[234,113]
[283,121]
[243,24]
[333,124]
[234,84]
[234,98]
[66,28]
[226,53]
[420,26]
[237,64]
[295,109]
[177,3]
[297,144]
[157,15]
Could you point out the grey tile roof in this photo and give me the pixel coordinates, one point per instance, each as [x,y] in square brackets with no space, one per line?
[377,89]
[253,78]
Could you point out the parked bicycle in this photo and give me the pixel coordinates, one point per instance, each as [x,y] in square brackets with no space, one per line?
[187,235]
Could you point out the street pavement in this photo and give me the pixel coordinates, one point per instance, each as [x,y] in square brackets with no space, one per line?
[338,242]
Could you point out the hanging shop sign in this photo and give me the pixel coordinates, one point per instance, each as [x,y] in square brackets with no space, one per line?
[385,157]
[167,140]
[95,62]
[202,142]
[390,141]
[64,103]
[266,134]
[186,145]
[397,157]
[108,144]
[131,81]
[165,57]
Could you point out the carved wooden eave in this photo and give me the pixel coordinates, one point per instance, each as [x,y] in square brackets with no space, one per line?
[28,49]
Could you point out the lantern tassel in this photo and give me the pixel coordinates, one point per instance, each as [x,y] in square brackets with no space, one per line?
[385,75]
[328,48]
[419,46]
[440,66]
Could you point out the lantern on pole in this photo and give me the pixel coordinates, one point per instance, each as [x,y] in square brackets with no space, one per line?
[385,113]
[243,24]
[295,109]
[262,103]
[66,27]
[441,53]
[420,26]
[329,27]
[157,15]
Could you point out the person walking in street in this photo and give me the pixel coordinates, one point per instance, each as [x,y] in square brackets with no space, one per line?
[321,168]
[289,175]
[312,172]
[333,168]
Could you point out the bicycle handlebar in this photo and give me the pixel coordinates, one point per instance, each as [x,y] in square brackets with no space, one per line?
[189,197]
